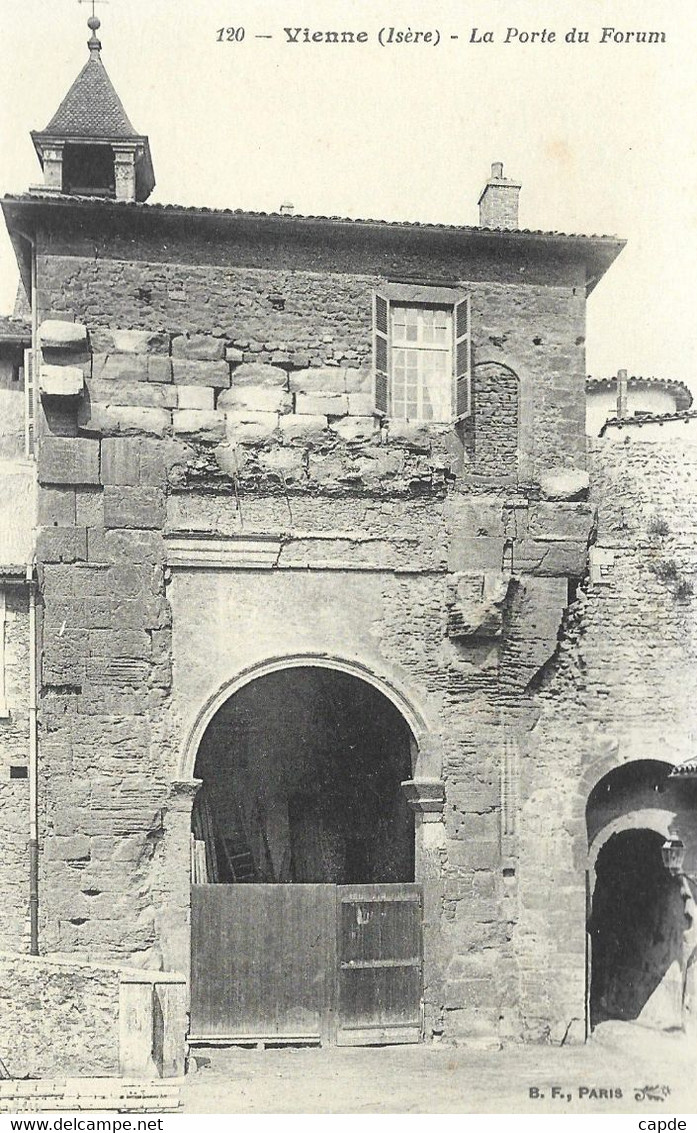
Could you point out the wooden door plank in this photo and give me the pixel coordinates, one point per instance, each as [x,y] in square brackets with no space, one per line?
[260,956]
[380,964]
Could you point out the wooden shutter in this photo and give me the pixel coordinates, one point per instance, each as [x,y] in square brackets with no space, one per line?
[29,404]
[462,367]
[381,352]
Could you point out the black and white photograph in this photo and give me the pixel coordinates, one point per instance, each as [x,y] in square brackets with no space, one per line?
[348,561]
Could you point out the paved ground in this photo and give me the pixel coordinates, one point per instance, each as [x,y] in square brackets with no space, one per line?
[453,1079]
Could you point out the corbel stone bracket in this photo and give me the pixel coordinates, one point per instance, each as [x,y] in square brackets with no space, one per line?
[426,797]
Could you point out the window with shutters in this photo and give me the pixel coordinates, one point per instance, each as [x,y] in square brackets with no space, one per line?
[422,356]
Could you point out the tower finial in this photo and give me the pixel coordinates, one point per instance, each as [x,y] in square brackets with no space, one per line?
[93,42]
[94,23]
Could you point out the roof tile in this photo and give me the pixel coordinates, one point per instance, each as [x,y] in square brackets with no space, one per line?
[91,108]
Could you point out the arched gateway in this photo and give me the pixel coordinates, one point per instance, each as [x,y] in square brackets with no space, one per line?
[306,918]
[636,917]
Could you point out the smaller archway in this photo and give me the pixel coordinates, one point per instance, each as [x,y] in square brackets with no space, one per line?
[636,920]
[636,929]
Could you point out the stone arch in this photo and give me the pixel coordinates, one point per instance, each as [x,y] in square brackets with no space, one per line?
[608,760]
[647,818]
[427,756]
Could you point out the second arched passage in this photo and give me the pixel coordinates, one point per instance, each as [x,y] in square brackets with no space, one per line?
[636,917]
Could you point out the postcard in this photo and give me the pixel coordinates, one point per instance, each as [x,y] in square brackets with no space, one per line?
[348,576]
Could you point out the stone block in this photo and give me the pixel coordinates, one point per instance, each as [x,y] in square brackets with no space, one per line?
[199,347]
[201,424]
[189,372]
[560,521]
[140,508]
[142,394]
[56,507]
[159,368]
[474,855]
[245,426]
[325,380]
[112,420]
[257,399]
[158,458]
[288,463]
[120,368]
[418,438]
[355,429]
[358,381]
[107,340]
[232,354]
[229,459]
[476,606]
[88,507]
[470,993]
[68,460]
[560,559]
[333,405]
[120,461]
[259,374]
[140,342]
[196,397]
[60,381]
[61,544]
[472,554]
[73,848]
[361,404]
[564,484]
[59,334]
[303,427]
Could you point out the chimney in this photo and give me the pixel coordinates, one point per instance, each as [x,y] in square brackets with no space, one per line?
[498,204]
[621,394]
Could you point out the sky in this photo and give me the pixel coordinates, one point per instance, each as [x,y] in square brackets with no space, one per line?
[601,135]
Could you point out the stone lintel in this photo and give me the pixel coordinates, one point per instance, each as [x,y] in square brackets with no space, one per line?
[227,553]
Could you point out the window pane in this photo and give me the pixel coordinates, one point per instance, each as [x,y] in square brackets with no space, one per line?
[422,362]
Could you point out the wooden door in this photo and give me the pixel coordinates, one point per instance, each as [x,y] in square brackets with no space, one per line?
[263,959]
[380,956]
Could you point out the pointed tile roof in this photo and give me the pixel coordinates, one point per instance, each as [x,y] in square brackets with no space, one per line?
[92,114]
[91,108]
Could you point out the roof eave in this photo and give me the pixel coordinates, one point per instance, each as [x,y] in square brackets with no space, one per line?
[598,252]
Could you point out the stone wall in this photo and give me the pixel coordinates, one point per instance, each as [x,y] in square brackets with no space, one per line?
[66,1015]
[58,1017]
[622,688]
[14,785]
[281,296]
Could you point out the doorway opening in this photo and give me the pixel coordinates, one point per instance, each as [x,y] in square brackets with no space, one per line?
[636,932]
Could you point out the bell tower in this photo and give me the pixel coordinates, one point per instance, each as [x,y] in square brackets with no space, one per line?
[89,148]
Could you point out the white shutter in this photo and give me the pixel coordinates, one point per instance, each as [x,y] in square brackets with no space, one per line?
[462,361]
[381,352]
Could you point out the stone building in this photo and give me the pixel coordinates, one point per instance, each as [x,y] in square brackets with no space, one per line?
[644,398]
[330,608]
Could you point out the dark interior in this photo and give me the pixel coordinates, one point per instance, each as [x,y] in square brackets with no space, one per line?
[301,775]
